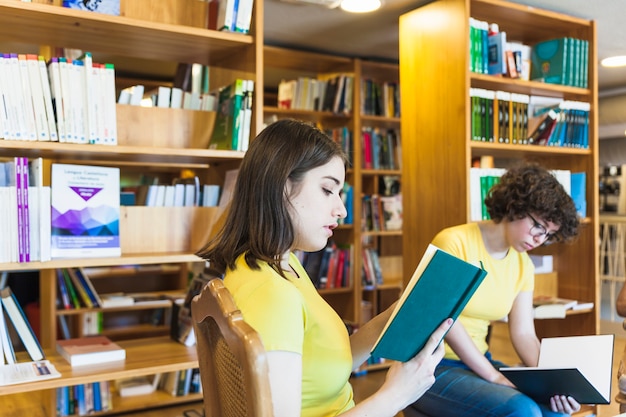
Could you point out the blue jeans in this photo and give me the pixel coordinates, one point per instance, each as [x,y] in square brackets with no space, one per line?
[459,392]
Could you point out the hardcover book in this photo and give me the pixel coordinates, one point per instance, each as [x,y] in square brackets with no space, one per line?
[90,350]
[85,211]
[440,287]
[579,366]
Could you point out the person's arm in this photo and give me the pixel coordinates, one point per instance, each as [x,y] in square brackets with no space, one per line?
[362,341]
[527,345]
[522,329]
[405,382]
[463,345]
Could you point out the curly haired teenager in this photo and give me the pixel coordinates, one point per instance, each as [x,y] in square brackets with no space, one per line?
[528,208]
[288,197]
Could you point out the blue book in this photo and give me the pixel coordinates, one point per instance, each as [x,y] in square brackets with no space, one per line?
[550,61]
[579,189]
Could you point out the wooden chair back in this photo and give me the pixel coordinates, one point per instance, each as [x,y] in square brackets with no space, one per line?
[231,357]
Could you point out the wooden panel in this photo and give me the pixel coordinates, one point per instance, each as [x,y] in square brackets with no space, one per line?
[176,12]
[435,122]
[164,128]
[164,229]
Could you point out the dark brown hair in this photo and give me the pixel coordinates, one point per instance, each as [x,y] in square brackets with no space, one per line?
[258,222]
[530,189]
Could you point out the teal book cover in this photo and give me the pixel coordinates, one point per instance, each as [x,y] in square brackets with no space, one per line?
[440,287]
[550,61]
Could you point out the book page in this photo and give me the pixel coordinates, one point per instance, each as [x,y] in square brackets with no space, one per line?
[19,373]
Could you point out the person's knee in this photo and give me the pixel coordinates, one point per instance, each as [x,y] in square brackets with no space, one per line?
[522,406]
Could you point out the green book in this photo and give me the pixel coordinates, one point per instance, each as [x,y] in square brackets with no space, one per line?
[440,287]
[228,118]
[550,61]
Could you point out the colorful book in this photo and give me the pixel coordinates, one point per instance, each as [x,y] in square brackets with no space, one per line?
[550,61]
[85,211]
[228,119]
[440,287]
[101,6]
[90,350]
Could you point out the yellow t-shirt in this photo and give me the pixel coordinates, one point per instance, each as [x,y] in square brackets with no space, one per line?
[505,279]
[290,315]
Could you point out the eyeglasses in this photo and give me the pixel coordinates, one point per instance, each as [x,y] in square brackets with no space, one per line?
[539,230]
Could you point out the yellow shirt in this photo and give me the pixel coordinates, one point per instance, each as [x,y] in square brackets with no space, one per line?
[505,279]
[290,315]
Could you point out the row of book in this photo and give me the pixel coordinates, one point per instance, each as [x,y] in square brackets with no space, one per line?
[371,271]
[234,116]
[167,97]
[25,211]
[64,100]
[381,212]
[503,117]
[330,267]
[329,92]
[380,98]
[492,53]
[483,179]
[84,399]
[180,194]
[381,148]
[76,290]
[562,60]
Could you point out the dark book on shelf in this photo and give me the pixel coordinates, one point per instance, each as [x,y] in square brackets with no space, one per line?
[440,287]
[578,366]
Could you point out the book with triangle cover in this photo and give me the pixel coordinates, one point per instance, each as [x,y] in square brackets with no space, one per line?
[440,287]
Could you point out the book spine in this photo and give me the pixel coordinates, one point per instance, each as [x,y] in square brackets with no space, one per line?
[18,318]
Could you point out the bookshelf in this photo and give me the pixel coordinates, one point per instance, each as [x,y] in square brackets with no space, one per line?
[438,150]
[151,140]
[288,64]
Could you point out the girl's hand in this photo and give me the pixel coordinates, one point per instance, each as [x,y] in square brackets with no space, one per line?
[564,404]
[406,382]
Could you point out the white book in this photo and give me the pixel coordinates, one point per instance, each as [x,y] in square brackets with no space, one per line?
[170,192]
[45,223]
[67,99]
[124,97]
[190,199]
[163,96]
[37,98]
[21,325]
[13,228]
[176,100]
[151,196]
[79,102]
[6,120]
[110,111]
[85,211]
[136,95]
[14,92]
[7,355]
[580,366]
[247,115]
[226,15]
[26,101]
[91,95]
[33,224]
[47,98]
[179,195]
[57,98]
[5,222]
[160,196]
[244,16]
[210,195]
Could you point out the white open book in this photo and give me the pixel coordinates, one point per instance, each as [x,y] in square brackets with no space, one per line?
[579,366]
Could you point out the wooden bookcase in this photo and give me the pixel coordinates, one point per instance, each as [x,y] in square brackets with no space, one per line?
[160,141]
[287,64]
[436,119]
